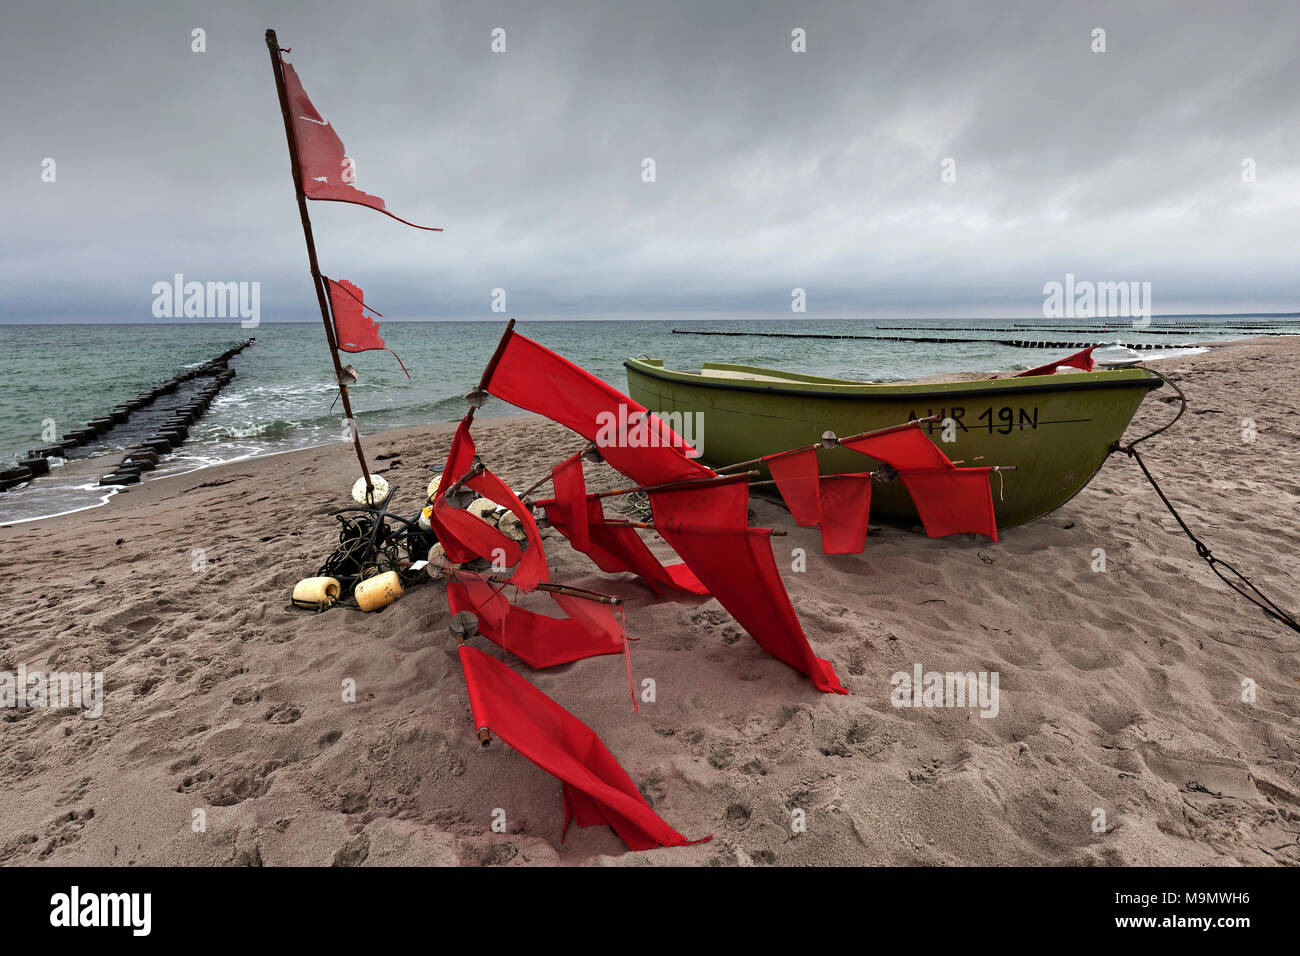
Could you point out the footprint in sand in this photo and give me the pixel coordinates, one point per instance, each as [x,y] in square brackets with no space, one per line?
[65,829]
[282,714]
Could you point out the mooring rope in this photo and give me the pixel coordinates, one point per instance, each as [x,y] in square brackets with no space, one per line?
[1254,595]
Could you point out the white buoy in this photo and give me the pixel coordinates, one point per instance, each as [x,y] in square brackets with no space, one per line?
[511,526]
[482,508]
[379,491]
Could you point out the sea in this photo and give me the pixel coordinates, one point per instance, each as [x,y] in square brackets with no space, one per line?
[58,376]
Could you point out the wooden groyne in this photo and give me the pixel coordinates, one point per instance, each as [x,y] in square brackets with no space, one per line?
[211,377]
[1014,343]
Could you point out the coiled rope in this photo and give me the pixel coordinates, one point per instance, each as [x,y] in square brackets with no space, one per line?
[1254,595]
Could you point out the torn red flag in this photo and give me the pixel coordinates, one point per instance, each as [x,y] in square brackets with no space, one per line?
[354,331]
[846,508]
[953,500]
[465,536]
[532,568]
[708,526]
[614,548]
[590,630]
[838,505]
[594,788]
[630,438]
[1081,360]
[949,500]
[326,173]
[901,449]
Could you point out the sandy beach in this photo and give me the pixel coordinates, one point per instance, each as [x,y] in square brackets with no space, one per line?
[1120,690]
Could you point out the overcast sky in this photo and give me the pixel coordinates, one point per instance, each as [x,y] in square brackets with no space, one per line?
[774,169]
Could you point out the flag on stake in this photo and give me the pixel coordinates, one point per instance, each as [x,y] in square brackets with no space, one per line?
[1081,360]
[465,536]
[590,630]
[838,505]
[614,548]
[354,331]
[630,438]
[949,500]
[327,174]
[594,788]
[707,526]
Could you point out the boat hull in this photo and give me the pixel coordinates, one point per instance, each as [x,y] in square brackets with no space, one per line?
[1057,430]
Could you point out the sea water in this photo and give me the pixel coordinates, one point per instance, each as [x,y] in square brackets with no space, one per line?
[56,377]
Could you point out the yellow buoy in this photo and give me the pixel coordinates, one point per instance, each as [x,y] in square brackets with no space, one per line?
[318,593]
[379,591]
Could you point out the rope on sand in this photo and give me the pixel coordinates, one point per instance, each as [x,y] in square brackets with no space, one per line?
[1254,595]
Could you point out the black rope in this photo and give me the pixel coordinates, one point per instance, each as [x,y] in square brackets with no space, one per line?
[1255,596]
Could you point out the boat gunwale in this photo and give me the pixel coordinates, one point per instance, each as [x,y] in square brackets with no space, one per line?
[892,392]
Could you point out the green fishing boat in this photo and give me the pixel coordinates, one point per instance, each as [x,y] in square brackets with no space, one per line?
[1055,429]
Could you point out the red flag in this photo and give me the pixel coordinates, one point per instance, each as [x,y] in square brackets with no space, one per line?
[595,789]
[326,171]
[614,548]
[1082,360]
[953,501]
[571,502]
[465,537]
[354,331]
[906,448]
[540,641]
[948,499]
[707,526]
[846,506]
[838,505]
[635,442]
[795,473]
[532,567]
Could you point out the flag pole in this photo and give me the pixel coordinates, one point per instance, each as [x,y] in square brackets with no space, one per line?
[321,290]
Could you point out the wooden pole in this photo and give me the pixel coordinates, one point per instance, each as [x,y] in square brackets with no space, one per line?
[620,523]
[277,66]
[904,471]
[479,395]
[674,485]
[586,593]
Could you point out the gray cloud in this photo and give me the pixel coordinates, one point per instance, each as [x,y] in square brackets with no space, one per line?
[775,170]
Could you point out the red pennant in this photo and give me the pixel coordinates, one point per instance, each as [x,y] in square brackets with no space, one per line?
[326,171]
[590,630]
[635,442]
[1082,360]
[950,500]
[464,536]
[953,501]
[795,473]
[906,448]
[846,506]
[707,526]
[595,789]
[532,567]
[839,505]
[614,548]
[354,331]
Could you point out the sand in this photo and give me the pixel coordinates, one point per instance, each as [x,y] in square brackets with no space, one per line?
[1120,691]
